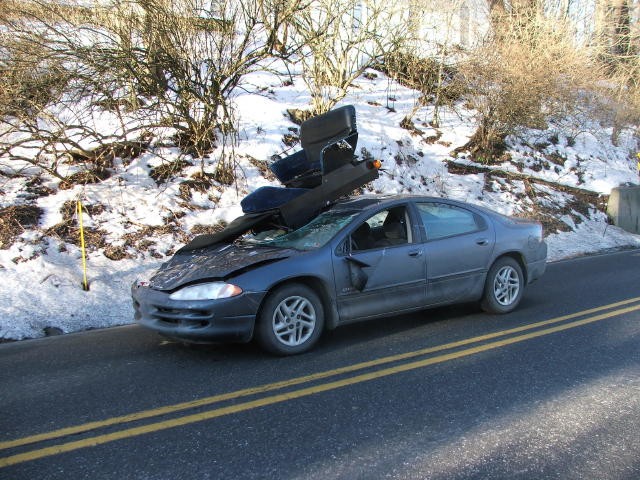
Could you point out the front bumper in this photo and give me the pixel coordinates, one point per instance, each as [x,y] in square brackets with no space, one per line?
[223,320]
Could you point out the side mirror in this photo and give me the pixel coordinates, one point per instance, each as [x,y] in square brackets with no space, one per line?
[357,276]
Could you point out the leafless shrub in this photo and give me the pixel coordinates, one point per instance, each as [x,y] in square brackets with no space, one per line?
[436,81]
[618,102]
[528,70]
[339,40]
[615,40]
[134,66]
[188,58]
[18,9]
[46,104]
[437,34]
[616,32]
[28,81]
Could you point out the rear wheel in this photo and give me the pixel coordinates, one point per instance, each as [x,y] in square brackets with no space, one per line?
[504,286]
[291,320]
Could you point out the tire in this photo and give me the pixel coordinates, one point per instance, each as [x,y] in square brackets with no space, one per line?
[290,321]
[504,286]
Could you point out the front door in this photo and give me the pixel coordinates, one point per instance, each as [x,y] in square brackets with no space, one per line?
[381,270]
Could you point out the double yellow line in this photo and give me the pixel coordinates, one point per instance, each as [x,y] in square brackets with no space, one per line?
[534,330]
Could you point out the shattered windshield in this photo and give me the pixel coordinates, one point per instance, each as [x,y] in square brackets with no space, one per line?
[313,235]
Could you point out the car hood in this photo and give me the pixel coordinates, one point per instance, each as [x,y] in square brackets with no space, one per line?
[217,262]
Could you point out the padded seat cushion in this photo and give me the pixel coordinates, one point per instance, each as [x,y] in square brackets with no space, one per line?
[269,198]
[293,166]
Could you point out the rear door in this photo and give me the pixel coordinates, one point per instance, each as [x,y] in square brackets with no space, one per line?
[381,271]
[458,248]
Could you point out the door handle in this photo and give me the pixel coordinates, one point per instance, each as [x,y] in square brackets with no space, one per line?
[482,241]
[415,253]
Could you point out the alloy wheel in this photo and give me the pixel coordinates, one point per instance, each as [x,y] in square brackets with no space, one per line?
[294,321]
[506,285]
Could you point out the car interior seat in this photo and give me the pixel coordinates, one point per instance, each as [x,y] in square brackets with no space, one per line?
[361,237]
[394,229]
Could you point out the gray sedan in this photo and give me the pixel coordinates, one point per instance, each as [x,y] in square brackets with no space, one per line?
[362,258]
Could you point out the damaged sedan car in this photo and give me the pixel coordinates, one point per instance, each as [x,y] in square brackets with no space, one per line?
[304,259]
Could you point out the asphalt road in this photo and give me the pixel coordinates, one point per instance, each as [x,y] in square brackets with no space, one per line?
[550,391]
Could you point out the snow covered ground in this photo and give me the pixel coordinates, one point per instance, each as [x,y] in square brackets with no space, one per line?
[42,274]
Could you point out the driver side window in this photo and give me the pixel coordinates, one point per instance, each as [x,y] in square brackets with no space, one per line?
[386,228]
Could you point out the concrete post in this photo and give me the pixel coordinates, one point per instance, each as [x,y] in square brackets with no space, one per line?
[624,208]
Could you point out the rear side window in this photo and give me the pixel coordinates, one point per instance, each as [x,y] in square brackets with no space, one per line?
[441,220]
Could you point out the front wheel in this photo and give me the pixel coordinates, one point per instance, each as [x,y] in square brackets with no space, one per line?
[503,287]
[291,320]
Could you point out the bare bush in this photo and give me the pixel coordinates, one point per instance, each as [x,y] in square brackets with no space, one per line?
[190,58]
[28,79]
[529,69]
[617,104]
[617,38]
[48,110]
[437,35]
[339,40]
[132,68]
[615,31]
[436,82]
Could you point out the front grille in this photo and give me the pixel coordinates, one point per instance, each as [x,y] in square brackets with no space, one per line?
[179,316]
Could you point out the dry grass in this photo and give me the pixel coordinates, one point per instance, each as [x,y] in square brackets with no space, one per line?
[84,177]
[166,171]
[143,240]
[199,182]
[15,220]
[68,229]
[20,9]
[263,167]
[207,229]
[423,74]
[102,157]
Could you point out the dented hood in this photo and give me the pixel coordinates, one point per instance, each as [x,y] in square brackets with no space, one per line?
[217,262]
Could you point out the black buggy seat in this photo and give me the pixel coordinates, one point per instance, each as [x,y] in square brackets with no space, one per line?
[328,143]
[324,170]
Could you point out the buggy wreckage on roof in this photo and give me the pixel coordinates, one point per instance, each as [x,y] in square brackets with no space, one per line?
[301,259]
[324,170]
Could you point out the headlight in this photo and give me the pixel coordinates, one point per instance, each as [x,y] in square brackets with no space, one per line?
[206,291]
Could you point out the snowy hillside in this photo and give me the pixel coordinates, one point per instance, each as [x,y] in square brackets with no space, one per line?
[154,202]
